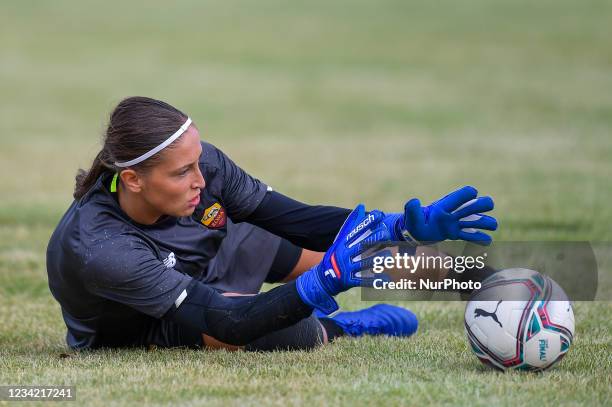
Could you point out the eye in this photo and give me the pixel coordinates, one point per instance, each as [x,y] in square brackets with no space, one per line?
[183,172]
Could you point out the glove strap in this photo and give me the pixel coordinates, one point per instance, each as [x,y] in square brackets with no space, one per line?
[311,291]
[408,237]
[395,224]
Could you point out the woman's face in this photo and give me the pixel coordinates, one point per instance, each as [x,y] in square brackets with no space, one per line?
[172,186]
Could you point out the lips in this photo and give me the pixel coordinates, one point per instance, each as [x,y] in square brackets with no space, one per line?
[194,201]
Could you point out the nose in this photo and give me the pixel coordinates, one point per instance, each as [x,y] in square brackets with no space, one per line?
[199,181]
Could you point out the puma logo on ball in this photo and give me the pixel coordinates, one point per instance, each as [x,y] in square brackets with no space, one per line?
[479,312]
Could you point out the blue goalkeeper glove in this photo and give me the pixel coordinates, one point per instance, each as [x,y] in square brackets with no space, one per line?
[457,216]
[342,264]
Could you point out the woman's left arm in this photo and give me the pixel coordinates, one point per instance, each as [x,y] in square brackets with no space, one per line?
[312,227]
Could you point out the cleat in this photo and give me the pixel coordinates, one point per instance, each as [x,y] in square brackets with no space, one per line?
[380,319]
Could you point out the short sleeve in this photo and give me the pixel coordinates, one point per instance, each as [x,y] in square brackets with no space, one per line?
[126,270]
[241,193]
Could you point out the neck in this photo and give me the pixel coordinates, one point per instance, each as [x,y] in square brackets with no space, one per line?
[136,208]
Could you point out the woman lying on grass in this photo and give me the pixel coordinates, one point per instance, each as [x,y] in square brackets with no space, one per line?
[168,243]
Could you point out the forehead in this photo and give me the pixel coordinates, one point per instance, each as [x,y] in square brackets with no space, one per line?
[185,150]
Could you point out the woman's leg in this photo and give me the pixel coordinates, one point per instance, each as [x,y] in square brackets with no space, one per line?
[305,335]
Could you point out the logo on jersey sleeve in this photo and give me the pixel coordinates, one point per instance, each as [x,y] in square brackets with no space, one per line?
[214,216]
[170,261]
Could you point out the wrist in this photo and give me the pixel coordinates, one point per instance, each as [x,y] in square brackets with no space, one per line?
[393,223]
[396,224]
[313,292]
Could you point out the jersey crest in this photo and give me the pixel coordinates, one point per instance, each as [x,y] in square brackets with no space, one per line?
[214,216]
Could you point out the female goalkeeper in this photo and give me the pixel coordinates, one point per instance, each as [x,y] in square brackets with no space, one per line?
[168,242]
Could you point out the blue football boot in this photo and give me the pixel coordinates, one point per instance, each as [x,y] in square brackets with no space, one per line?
[380,319]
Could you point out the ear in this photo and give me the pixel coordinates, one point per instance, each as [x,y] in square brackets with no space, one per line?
[131,180]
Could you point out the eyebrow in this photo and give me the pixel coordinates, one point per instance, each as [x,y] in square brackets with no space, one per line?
[188,165]
[184,167]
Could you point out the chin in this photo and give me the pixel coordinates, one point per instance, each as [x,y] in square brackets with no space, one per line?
[189,211]
[181,213]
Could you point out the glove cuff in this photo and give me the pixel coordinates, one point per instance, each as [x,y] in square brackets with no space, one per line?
[395,224]
[313,293]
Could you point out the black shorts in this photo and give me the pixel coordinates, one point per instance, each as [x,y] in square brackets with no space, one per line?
[243,269]
[248,257]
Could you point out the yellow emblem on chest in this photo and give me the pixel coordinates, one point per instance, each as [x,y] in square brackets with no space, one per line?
[214,216]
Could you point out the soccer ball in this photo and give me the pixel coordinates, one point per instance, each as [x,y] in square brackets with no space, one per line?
[519,319]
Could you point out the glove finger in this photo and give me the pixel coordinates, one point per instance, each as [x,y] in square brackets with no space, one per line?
[368,227]
[365,274]
[457,198]
[476,237]
[366,248]
[347,269]
[413,213]
[367,282]
[352,220]
[482,204]
[374,242]
[478,221]
[367,278]
[367,263]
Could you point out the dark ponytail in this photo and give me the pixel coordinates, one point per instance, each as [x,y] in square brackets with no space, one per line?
[137,125]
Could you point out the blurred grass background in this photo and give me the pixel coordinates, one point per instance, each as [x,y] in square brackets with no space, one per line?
[329,102]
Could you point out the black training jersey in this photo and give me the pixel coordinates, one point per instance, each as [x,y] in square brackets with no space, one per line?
[104,268]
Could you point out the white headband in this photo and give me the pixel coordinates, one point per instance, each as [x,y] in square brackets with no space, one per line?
[157,149]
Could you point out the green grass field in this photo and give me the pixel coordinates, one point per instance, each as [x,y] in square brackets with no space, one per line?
[329,102]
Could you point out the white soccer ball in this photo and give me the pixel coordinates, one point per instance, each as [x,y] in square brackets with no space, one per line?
[519,319]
